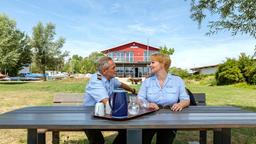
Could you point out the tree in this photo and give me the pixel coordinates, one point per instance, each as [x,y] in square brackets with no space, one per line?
[77,64]
[15,50]
[232,15]
[46,50]
[183,73]
[229,73]
[165,50]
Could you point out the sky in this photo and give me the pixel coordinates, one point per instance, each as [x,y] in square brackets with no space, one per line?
[95,25]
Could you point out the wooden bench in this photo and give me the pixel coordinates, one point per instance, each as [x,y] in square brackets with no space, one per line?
[68,98]
[200,99]
[77,99]
[60,99]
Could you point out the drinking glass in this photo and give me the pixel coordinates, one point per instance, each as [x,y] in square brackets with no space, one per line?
[144,103]
[133,107]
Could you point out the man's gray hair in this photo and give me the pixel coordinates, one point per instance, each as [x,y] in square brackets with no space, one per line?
[103,63]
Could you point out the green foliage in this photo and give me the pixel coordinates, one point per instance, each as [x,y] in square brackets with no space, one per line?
[47,52]
[232,15]
[78,64]
[179,72]
[15,50]
[229,73]
[250,73]
[165,50]
[245,65]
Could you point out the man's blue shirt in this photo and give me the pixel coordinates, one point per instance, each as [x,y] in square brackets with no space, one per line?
[99,88]
[172,90]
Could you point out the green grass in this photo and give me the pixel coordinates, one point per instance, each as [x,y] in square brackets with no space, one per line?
[17,95]
[68,85]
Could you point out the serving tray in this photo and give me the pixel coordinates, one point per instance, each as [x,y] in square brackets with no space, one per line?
[141,113]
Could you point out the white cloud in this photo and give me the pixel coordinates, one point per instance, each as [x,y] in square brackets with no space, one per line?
[142,29]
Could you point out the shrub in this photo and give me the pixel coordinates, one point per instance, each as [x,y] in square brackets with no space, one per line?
[250,74]
[245,65]
[229,73]
[179,72]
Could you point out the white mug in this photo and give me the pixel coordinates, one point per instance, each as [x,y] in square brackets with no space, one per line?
[99,109]
[108,108]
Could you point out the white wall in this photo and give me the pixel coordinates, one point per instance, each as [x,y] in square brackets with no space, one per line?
[210,70]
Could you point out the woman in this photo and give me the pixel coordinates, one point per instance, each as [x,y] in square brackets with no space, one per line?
[162,90]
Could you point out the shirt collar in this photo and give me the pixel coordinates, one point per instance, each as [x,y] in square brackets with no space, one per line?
[169,76]
[103,78]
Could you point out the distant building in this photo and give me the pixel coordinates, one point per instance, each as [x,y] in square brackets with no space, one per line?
[132,59]
[25,69]
[205,69]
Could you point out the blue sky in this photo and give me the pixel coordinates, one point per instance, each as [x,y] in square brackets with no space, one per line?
[94,25]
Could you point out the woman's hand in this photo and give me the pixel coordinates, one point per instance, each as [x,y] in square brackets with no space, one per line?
[179,106]
[153,106]
[176,107]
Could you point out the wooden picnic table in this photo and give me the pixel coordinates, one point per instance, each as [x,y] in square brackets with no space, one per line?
[219,118]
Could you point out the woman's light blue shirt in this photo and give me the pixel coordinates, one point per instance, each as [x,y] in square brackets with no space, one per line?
[172,90]
[99,88]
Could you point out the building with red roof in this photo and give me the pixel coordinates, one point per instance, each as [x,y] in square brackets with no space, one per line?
[132,59]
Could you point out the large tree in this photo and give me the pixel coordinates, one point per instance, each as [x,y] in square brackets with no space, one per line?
[78,64]
[47,50]
[165,50]
[15,50]
[236,16]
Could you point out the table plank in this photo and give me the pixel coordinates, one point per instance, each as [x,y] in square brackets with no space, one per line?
[74,117]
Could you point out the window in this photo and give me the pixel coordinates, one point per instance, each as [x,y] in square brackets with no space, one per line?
[128,56]
[147,54]
[131,57]
[111,54]
[122,56]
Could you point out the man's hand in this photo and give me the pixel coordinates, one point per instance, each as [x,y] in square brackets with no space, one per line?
[134,91]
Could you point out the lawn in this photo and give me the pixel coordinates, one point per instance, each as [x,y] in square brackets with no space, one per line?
[18,95]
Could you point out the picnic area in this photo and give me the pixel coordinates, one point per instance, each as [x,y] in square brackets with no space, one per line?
[14,96]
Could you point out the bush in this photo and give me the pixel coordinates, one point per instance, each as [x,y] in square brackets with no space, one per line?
[250,74]
[245,65]
[229,73]
[179,72]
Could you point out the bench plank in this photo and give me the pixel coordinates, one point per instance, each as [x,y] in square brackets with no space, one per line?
[68,98]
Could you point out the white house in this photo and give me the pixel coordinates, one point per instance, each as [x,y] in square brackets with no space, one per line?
[25,69]
[205,69]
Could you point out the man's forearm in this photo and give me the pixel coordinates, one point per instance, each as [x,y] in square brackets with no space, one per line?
[128,88]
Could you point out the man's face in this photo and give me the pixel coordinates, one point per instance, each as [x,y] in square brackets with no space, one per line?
[110,71]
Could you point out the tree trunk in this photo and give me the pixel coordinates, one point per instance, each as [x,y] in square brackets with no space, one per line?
[44,75]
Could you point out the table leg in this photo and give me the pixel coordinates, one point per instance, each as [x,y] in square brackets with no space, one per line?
[222,136]
[134,136]
[32,136]
[55,137]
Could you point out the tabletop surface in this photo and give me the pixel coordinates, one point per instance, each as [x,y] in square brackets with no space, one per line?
[79,117]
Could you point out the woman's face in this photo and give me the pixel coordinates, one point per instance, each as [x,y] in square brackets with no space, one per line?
[156,66]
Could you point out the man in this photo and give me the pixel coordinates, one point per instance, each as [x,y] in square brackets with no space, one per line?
[99,88]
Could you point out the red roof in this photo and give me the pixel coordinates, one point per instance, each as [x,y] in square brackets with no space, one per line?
[140,45]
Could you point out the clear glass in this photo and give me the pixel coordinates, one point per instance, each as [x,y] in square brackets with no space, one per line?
[133,107]
[144,103]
